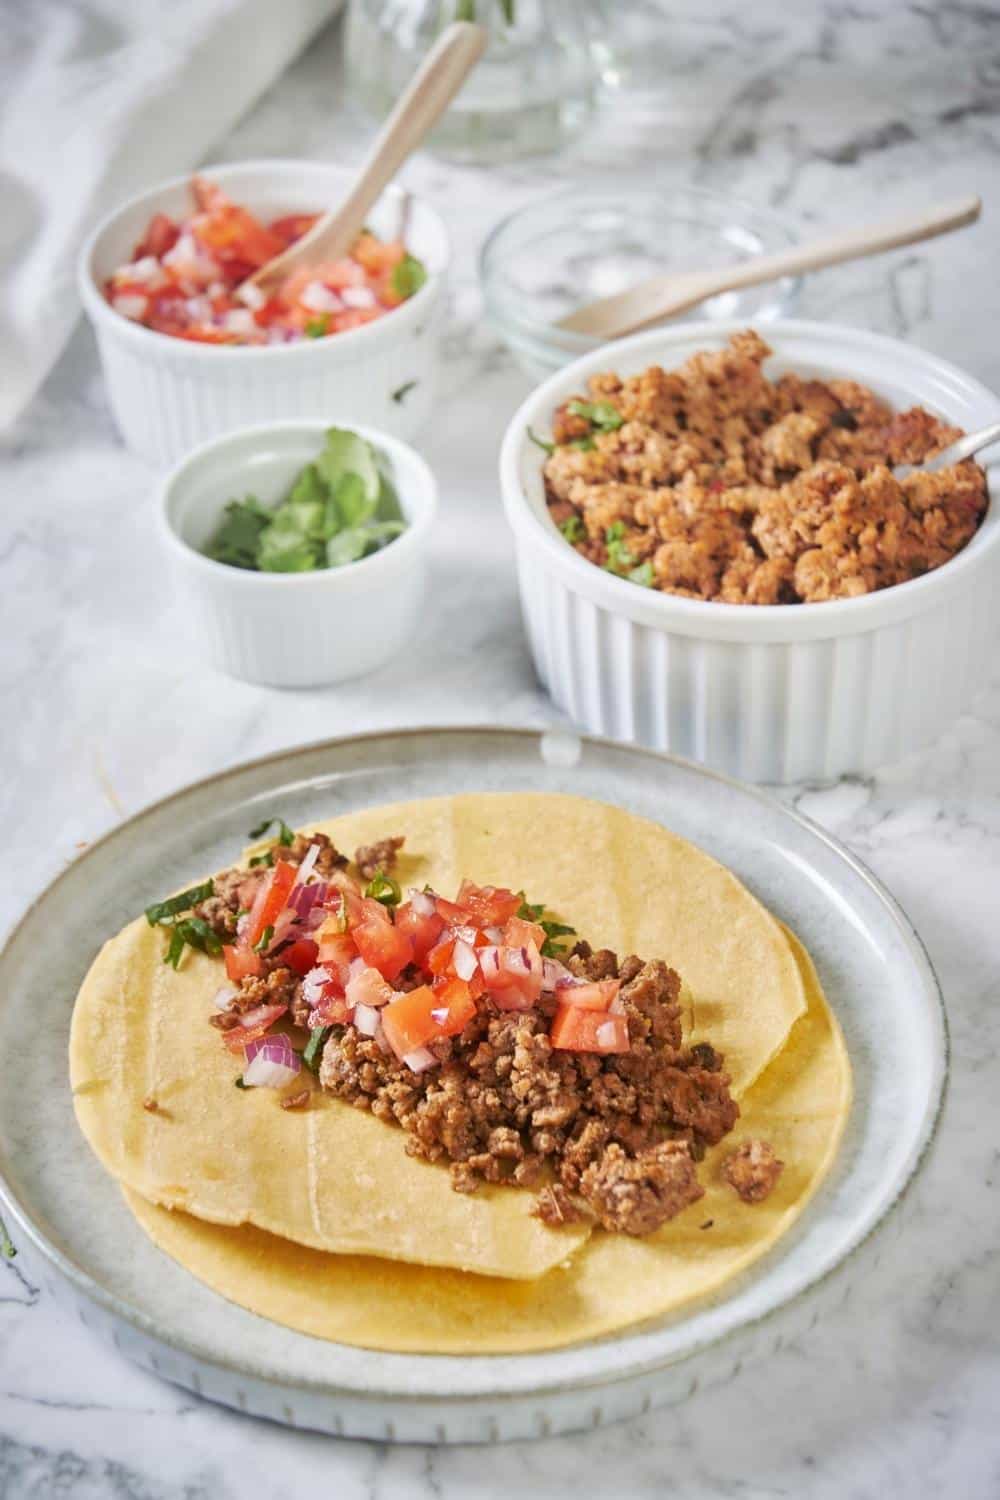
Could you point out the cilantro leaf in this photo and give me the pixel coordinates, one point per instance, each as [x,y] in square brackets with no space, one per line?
[237,536]
[546,447]
[163,911]
[553,930]
[264,941]
[600,414]
[642,575]
[573,529]
[284,835]
[317,328]
[347,453]
[401,392]
[408,276]
[191,932]
[314,1047]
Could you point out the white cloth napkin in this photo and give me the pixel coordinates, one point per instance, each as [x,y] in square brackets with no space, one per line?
[99,99]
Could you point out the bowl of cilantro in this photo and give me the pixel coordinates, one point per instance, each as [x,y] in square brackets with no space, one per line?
[299,549]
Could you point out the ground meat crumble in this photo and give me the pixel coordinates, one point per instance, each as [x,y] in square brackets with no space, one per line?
[618,1135]
[752,1170]
[720,484]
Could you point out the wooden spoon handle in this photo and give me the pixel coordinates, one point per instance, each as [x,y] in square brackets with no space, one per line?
[415,113]
[418,109]
[661,296]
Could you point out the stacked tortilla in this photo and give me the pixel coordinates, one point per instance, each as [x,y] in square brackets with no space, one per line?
[318,1219]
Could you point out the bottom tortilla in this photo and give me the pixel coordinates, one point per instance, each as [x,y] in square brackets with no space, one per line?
[800,1104]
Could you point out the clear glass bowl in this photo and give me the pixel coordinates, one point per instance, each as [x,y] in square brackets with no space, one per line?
[587,242]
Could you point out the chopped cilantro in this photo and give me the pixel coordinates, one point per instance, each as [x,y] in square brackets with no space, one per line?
[383,888]
[340,507]
[600,414]
[620,559]
[553,930]
[317,328]
[264,941]
[642,575]
[262,859]
[408,276]
[573,529]
[314,1046]
[546,447]
[7,1247]
[192,932]
[401,392]
[237,538]
[585,444]
[285,835]
[164,911]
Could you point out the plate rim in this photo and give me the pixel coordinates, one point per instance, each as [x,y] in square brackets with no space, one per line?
[143,1323]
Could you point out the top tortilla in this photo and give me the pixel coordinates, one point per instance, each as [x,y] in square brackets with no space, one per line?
[334,1178]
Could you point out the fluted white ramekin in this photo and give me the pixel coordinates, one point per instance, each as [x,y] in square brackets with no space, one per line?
[771,693]
[293,629]
[169,394]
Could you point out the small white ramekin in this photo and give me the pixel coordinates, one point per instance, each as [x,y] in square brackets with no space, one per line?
[169,394]
[293,629]
[771,693]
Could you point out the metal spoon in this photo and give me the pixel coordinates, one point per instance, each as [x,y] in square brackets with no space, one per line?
[963,447]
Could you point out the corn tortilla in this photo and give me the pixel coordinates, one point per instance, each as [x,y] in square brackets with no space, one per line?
[800,1105]
[333,1178]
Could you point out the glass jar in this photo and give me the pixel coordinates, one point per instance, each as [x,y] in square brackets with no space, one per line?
[534,90]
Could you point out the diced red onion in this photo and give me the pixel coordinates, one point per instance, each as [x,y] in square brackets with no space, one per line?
[261,1014]
[314,985]
[440,1014]
[467,934]
[489,962]
[271,1063]
[242,923]
[383,1040]
[305,899]
[315,917]
[366,1019]
[556,975]
[422,903]
[516,961]
[464,959]
[308,861]
[285,924]
[420,1060]
[223,996]
[495,934]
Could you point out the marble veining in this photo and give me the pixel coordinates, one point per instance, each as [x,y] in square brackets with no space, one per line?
[829,111]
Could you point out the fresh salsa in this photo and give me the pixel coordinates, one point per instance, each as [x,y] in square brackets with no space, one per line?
[468,1021]
[186,278]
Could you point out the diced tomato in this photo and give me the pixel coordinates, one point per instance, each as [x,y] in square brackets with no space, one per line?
[348,893]
[242,963]
[300,956]
[382,947]
[423,932]
[337,952]
[409,1022]
[599,995]
[367,987]
[575,1029]
[271,899]
[263,1018]
[292,227]
[459,999]
[439,960]
[376,255]
[272,311]
[517,932]
[161,235]
[230,233]
[332,1010]
[510,997]
[518,969]
[454,915]
[487,905]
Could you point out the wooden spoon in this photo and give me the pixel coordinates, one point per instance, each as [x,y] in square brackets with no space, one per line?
[418,109]
[663,296]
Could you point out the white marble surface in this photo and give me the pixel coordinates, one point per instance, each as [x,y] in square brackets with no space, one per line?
[829,111]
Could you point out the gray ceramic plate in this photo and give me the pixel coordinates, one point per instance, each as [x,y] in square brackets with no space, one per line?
[871,962]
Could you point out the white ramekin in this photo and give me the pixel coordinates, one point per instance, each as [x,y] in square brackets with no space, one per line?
[768,693]
[169,394]
[292,629]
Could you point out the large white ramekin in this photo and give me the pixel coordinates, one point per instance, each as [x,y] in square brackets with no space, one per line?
[293,629]
[772,693]
[169,394]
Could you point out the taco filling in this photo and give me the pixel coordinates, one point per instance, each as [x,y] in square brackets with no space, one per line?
[471,1024]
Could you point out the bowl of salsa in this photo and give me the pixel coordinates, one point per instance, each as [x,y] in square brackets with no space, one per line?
[190,350]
